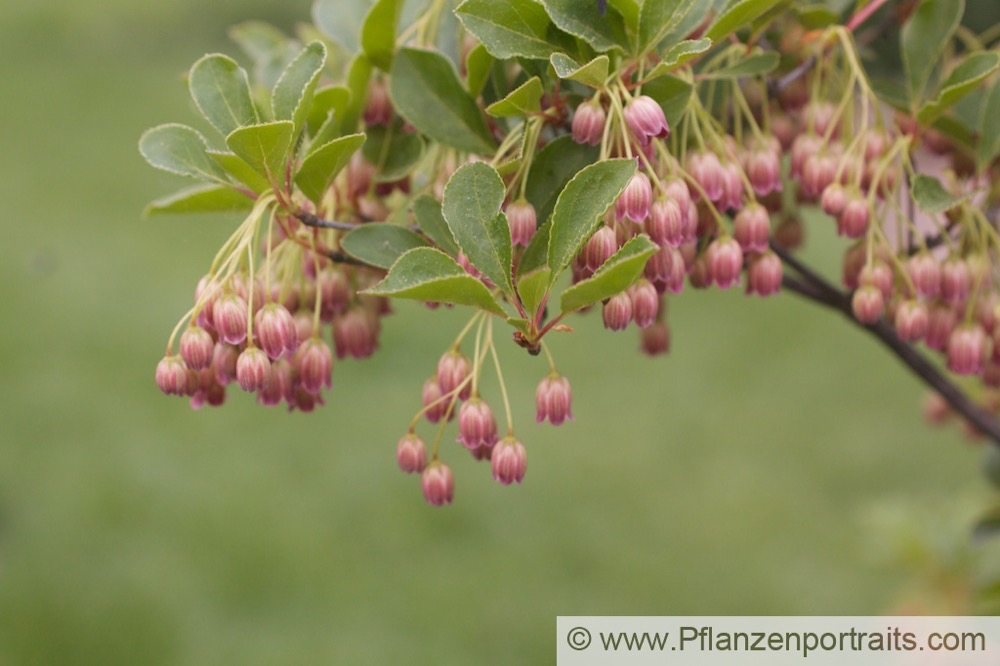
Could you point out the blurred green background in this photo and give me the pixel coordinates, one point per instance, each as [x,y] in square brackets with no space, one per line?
[760,469]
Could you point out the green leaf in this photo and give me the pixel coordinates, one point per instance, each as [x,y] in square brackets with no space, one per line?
[181,150]
[629,9]
[472,200]
[427,92]
[533,287]
[292,94]
[511,29]
[237,167]
[593,74]
[200,199]
[431,221]
[963,79]
[931,196]
[755,64]
[892,92]
[327,102]
[694,19]
[537,252]
[477,67]
[359,73]
[672,94]
[524,100]
[393,151]
[583,19]
[989,127]
[322,165]
[380,244]
[258,39]
[426,274]
[923,39]
[221,92]
[265,147]
[341,20]
[737,15]
[553,167]
[658,18]
[378,33]
[615,276]
[815,17]
[679,54]
[580,206]
[954,128]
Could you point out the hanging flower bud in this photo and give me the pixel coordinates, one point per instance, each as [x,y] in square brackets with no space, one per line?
[635,201]
[817,173]
[853,221]
[764,274]
[354,334]
[378,108]
[437,484]
[617,312]
[588,123]
[666,223]
[252,369]
[678,272]
[196,348]
[172,375]
[725,261]
[879,275]
[803,149]
[834,199]
[645,303]
[967,350]
[705,168]
[599,248]
[523,222]
[509,461]
[926,274]
[411,453]
[867,304]
[732,187]
[280,384]
[911,321]
[941,322]
[230,318]
[553,400]
[764,171]
[956,281]
[453,368]
[476,424]
[207,294]
[275,329]
[752,228]
[314,364]
[431,396]
[224,363]
[655,340]
[644,116]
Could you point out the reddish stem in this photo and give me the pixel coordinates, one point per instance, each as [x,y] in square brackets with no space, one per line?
[864,14]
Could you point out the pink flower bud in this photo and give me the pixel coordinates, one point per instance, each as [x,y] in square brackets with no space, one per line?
[986,311]
[208,293]
[803,149]
[764,171]
[879,275]
[819,115]
[956,281]
[911,320]
[247,291]
[431,397]
[252,369]
[764,274]
[875,143]
[553,400]
[926,274]
[666,223]
[706,168]
[378,108]
[172,375]
[618,312]
[967,350]
[280,384]
[354,334]
[700,274]
[477,426]
[437,484]
[644,116]
[752,228]
[655,340]
[588,123]
[230,318]
[523,222]
[599,248]
[732,187]
[464,262]
[275,329]
[224,362]
[677,190]
[509,461]
[725,262]
[196,348]
[635,201]
[658,268]
[867,304]
[314,365]
[678,272]
[940,324]
[452,371]
[334,292]
[853,221]
[817,174]
[645,303]
[834,199]
[411,453]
